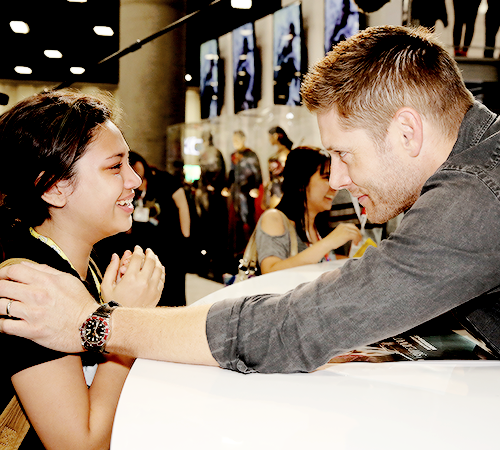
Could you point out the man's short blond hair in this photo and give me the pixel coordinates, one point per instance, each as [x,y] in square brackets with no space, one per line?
[368,77]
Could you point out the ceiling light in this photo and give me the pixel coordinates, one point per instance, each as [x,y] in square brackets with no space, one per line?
[23,70]
[77,1]
[52,53]
[19,27]
[77,70]
[104,31]
[241,4]
[188,77]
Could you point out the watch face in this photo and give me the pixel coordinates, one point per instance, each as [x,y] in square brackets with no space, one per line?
[95,331]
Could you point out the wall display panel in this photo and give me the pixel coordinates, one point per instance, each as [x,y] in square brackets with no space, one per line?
[287,55]
[341,21]
[209,79]
[244,67]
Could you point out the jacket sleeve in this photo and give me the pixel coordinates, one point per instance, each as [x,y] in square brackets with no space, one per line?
[445,252]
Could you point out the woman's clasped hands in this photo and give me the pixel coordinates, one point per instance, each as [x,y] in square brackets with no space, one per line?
[134,280]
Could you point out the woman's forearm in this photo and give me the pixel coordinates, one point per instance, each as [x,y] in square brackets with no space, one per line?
[311,255]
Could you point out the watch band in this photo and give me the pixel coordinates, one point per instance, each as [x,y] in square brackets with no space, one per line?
[105,309]
[95,331]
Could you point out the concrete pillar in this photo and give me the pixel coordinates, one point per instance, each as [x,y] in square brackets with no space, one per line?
[151,88]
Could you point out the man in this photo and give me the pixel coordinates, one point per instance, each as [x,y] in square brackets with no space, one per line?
[404,135]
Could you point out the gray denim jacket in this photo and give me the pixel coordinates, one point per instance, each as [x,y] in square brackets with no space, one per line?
[444,256]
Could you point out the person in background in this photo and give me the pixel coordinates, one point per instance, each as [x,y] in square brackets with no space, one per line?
[161,222]
[464,24]
[492,25]
[306,193]
[210,229]
[276,164]
[245,179]
[66,183]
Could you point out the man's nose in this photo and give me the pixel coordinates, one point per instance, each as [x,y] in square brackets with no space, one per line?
[339,175]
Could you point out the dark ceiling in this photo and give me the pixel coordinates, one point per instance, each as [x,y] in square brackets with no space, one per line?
[64,26]
[68,27]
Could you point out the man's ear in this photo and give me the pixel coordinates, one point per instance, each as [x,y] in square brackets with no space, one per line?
[58,194]
[410,129]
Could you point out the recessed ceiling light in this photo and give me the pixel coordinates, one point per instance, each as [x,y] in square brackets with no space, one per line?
[52,53]
[77,1]
[77,70]
[241,4]
[19,27]
[23,70]
[104,31]
[188,77]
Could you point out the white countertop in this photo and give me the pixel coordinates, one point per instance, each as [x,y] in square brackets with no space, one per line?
[365,406]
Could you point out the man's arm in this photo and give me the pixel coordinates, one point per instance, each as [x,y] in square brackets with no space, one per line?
[54,304]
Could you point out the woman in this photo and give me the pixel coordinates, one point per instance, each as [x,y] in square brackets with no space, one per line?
[161,222]
[66,184]
[306,193]
[276,164]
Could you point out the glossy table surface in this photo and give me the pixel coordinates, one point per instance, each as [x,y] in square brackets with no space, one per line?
[401,405]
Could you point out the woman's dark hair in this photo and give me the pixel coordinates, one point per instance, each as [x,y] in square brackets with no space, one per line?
[41,139]
[301,165]
[283,139]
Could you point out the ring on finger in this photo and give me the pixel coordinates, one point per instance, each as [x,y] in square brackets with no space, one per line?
[7,310]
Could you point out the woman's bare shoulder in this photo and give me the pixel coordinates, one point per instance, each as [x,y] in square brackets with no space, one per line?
[272,222]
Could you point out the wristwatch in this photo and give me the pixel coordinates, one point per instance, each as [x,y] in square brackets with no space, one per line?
[96,329]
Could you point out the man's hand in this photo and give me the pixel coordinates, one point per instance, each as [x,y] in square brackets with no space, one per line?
[140,285]
[51,304]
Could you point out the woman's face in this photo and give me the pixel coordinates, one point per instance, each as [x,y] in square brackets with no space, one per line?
[319,193]
[100,203]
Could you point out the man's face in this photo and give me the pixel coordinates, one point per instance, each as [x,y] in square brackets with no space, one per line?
[385,179]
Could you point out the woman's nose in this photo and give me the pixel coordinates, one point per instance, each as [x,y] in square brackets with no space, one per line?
[132,180]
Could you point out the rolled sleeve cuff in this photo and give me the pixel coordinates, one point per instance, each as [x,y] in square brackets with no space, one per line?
[222,334]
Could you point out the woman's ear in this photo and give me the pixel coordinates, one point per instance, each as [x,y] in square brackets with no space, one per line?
[409,125]
[58,194]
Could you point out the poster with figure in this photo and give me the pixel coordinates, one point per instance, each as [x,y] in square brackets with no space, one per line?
[209,79]
[244,67]
[287,55]
[341,21]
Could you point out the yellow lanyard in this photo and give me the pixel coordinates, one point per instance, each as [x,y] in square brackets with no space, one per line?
[55,247]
